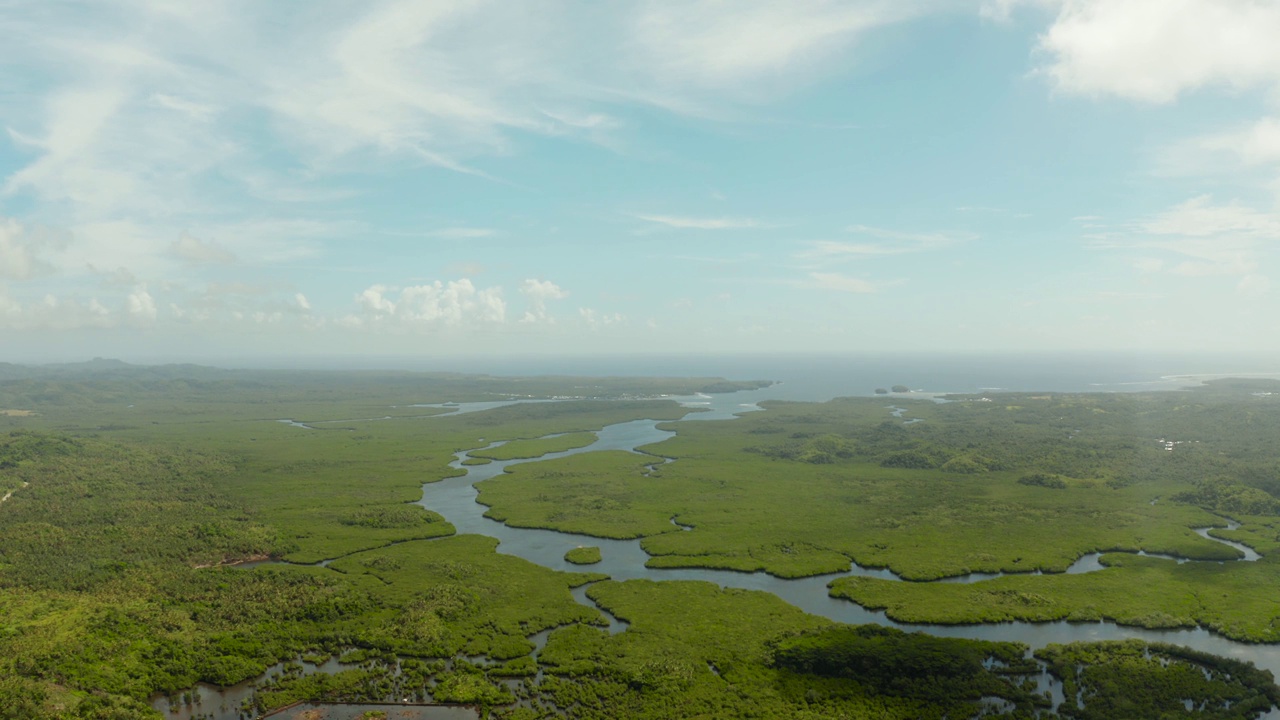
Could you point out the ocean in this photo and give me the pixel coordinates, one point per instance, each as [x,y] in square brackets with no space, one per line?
[822,377]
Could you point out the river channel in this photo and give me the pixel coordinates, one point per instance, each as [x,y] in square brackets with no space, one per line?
[455,499]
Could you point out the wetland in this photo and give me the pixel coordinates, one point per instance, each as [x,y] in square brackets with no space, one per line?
[740,540]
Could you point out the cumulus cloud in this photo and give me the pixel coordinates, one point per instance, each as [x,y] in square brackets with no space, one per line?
[1156,50]
[141,306]
[598,320]
[537,294]
[189,121]
[52,312]
[10,310]
[453,303]
[18,252]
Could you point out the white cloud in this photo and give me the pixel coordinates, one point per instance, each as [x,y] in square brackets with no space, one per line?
[76,121]
[1251,145]
[841,283]
[141,306]
[1002,10]
[201,252]
[1148,266]
[1200,217]
[700,223]
[54,313]
[373,300]
[1201,238]
[193,110]
[1155,50]
[538,293]
[1256,285]
[462,232]
[142,121]
[275,240]
[19,252]
[454,303]
[746,45]
[890,242]
[301,302]
[598,320]
[10,310]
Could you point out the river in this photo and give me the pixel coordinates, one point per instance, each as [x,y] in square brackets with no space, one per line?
[455,499]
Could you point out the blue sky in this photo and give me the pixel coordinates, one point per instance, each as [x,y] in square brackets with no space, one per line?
[204,180]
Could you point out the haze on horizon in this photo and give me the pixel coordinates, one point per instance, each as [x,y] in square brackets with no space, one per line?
[462,179]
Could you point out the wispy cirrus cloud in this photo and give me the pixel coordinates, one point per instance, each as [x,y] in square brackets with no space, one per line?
[201,252]
[461,233]
[739,47]
[701,223]
[134,123]
[417,80]
[841,283]
[879,242]
[1200,238]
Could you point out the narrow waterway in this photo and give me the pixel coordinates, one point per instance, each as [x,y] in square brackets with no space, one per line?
[455,499]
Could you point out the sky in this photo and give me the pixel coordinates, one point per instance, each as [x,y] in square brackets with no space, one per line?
[459,178]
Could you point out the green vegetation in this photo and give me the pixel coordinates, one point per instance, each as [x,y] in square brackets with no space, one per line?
[457,596]
[583,556]
[1237,600]
[802,489]
[1132,679]
[695,650]
[1045,480]
[134,488]
[885,661]
[537,447]
[108,587]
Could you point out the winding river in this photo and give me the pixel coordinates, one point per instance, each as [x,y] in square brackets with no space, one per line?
[455,499]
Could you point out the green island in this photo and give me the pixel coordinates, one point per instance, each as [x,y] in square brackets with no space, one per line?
[583,556]
[162,528]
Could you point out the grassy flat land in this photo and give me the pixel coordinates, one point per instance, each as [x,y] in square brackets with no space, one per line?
[583,555]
